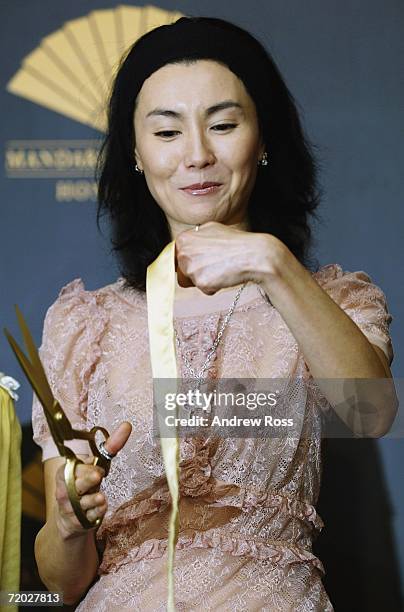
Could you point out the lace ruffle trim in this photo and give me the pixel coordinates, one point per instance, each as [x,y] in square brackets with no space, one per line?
[197,483]
[250,498]
[279,552]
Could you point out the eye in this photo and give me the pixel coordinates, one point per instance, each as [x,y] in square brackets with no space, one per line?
[221,127]
[166,133]
[224,126]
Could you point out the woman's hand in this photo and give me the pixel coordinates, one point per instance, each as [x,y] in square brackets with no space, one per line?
[219,256]
[87,481]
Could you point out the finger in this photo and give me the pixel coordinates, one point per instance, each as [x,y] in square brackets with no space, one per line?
[83,470]
[183,281]
[118,438]
[95,513]
[95,500]
[88,480]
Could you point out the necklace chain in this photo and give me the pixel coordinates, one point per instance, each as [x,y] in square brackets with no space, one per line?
[212,350]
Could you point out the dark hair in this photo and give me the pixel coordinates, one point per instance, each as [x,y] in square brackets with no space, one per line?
[285,191]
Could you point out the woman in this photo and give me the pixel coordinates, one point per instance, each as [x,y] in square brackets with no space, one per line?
[205,148]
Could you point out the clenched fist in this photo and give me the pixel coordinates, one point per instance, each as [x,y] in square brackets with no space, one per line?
[88,479]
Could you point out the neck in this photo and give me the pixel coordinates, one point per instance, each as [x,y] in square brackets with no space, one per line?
[176,227]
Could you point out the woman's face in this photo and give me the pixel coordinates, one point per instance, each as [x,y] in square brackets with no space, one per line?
[195,124]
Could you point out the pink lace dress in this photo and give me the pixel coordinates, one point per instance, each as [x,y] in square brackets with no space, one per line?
[247,506]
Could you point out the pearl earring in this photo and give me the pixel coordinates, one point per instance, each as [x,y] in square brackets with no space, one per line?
[138,169]
[264,160]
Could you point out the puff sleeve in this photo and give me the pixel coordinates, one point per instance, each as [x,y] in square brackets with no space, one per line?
[70,350]
[363,301]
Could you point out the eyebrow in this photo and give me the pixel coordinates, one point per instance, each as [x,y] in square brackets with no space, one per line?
[163,112]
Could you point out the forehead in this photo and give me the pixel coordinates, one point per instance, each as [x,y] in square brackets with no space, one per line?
[199,83]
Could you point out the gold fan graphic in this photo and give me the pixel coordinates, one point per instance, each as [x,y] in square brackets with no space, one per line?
[72,69]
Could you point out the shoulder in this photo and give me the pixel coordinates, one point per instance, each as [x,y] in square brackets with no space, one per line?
[75,303]
[343,284]
[74,327]
[363,301]
[78,318]
[74,306]
[334,272]
[81,317]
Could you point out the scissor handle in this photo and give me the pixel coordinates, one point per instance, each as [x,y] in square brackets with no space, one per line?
[69,473]
[70,470]
[99,459]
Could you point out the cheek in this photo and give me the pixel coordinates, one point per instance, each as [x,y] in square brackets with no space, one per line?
[243,168]
[240,158]
[244,173]
[160,161]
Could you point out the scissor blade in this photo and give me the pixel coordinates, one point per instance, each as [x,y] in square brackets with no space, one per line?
[34,356]
[50,407]
[27,368]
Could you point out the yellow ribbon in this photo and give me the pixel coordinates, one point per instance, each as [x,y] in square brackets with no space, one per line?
[160,292]
[10,497]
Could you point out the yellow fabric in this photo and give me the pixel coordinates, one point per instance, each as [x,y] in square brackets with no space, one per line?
[160,291]
[10,497]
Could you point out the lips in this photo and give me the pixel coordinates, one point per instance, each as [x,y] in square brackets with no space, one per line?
[197,186]
[202,189]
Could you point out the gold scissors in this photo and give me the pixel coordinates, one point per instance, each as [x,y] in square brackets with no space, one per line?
[59,425]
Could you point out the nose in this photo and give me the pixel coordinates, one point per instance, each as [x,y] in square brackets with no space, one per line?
[199,153]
